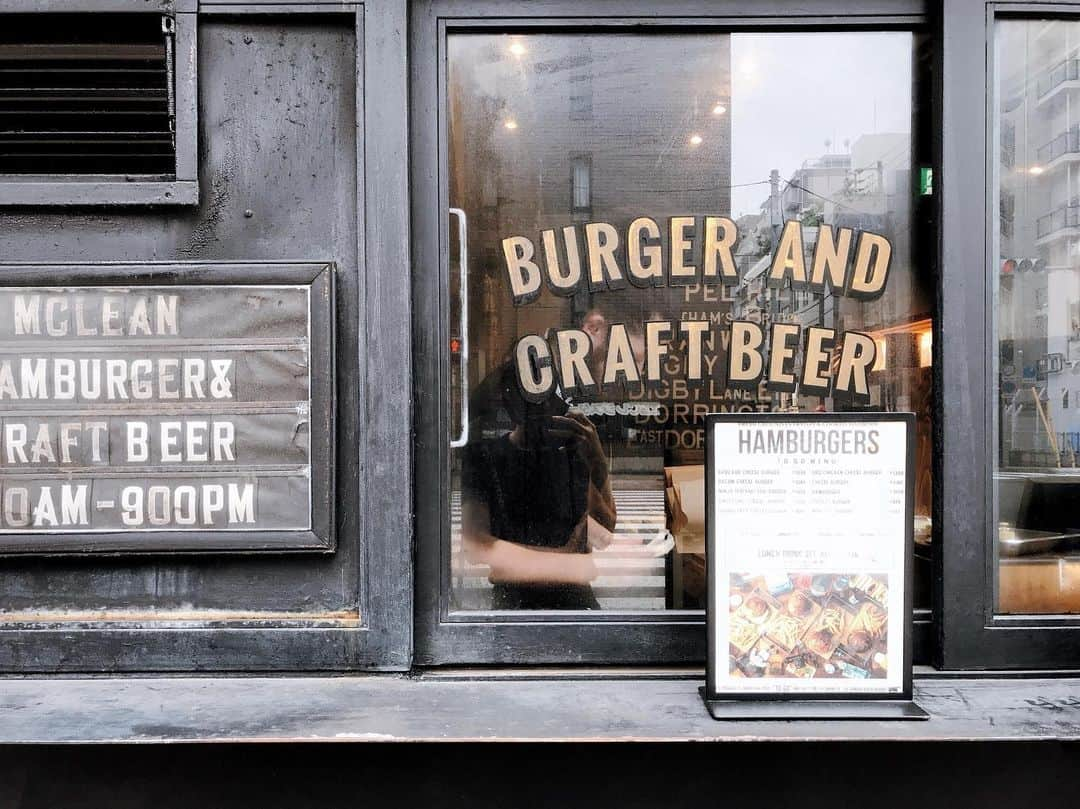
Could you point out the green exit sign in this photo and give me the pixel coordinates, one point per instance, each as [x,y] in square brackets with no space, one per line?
[926,181]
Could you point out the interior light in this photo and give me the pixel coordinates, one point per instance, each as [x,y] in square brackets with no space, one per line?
[1036,170]
[879,360]
[926,349]
[719,109]
[511,124]
[695,140]
[517,49]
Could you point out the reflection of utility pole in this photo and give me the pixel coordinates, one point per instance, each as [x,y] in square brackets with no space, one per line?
[770,308]
[775,220]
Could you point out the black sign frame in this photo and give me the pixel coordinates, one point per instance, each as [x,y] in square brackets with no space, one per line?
[837,704]
[320,278]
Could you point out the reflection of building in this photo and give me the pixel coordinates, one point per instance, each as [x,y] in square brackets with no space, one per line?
[816,185]
[1039,243]
[549,130]
[868,188]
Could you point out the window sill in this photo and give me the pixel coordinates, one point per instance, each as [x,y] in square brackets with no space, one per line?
[27,193]
[576,707]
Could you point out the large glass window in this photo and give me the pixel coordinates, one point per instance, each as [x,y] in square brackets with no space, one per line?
[594,499]
[1036,273]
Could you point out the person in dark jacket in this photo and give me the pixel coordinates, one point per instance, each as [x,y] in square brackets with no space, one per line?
[534,500]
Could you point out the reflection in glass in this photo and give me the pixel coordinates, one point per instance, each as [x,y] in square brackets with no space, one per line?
[1037,316]
[597,501]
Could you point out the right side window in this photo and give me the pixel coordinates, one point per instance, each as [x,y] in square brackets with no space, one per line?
[1036,310]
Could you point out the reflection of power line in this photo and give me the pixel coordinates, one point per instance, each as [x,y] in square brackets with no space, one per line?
[896,232]
[709,188]
[838,204]
[892,154]
[789,184]
[894,151]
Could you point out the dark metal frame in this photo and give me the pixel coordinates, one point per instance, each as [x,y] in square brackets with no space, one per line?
[319,279]
[971,634]
[72,189]
[712,557]
[372,443]
[443,637]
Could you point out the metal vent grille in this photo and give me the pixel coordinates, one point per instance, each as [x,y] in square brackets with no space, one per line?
[86,94]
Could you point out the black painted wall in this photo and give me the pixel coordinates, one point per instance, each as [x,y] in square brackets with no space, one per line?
[803,775]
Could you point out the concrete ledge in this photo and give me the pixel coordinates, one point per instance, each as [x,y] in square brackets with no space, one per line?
[441,708]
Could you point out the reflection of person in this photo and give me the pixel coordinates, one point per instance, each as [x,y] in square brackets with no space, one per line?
[531,498]
[595,325]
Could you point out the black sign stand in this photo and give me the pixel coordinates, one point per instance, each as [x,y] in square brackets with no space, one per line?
[820,705]
[810,707]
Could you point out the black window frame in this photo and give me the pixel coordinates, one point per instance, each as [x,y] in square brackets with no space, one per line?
[96,190]
[970,634]
[537,637]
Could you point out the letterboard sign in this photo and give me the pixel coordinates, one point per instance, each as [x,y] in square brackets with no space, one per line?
[166,408]
[809,545]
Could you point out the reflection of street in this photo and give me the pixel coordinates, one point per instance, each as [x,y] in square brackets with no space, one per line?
[630,577]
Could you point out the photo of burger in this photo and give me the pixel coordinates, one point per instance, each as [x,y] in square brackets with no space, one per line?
[757,609]
[859,641]
[801,605]
[822,642]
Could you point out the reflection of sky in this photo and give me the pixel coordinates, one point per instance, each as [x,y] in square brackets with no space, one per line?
[792,92]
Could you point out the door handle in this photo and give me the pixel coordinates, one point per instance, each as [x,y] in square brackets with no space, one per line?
[463,292]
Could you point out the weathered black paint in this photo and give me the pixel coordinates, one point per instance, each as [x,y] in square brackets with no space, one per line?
[486,776]
[293,166]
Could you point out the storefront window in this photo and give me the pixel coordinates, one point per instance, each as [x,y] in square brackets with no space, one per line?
[592,499]
[1037,316]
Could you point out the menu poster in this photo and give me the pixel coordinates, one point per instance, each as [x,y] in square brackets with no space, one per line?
[809,555]
[167,408]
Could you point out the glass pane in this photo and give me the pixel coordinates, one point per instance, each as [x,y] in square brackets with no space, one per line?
[1037,316]
[594,499]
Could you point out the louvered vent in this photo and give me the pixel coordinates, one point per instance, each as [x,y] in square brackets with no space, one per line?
[87,94]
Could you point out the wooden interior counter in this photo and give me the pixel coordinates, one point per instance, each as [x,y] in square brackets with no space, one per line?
[1045,585]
